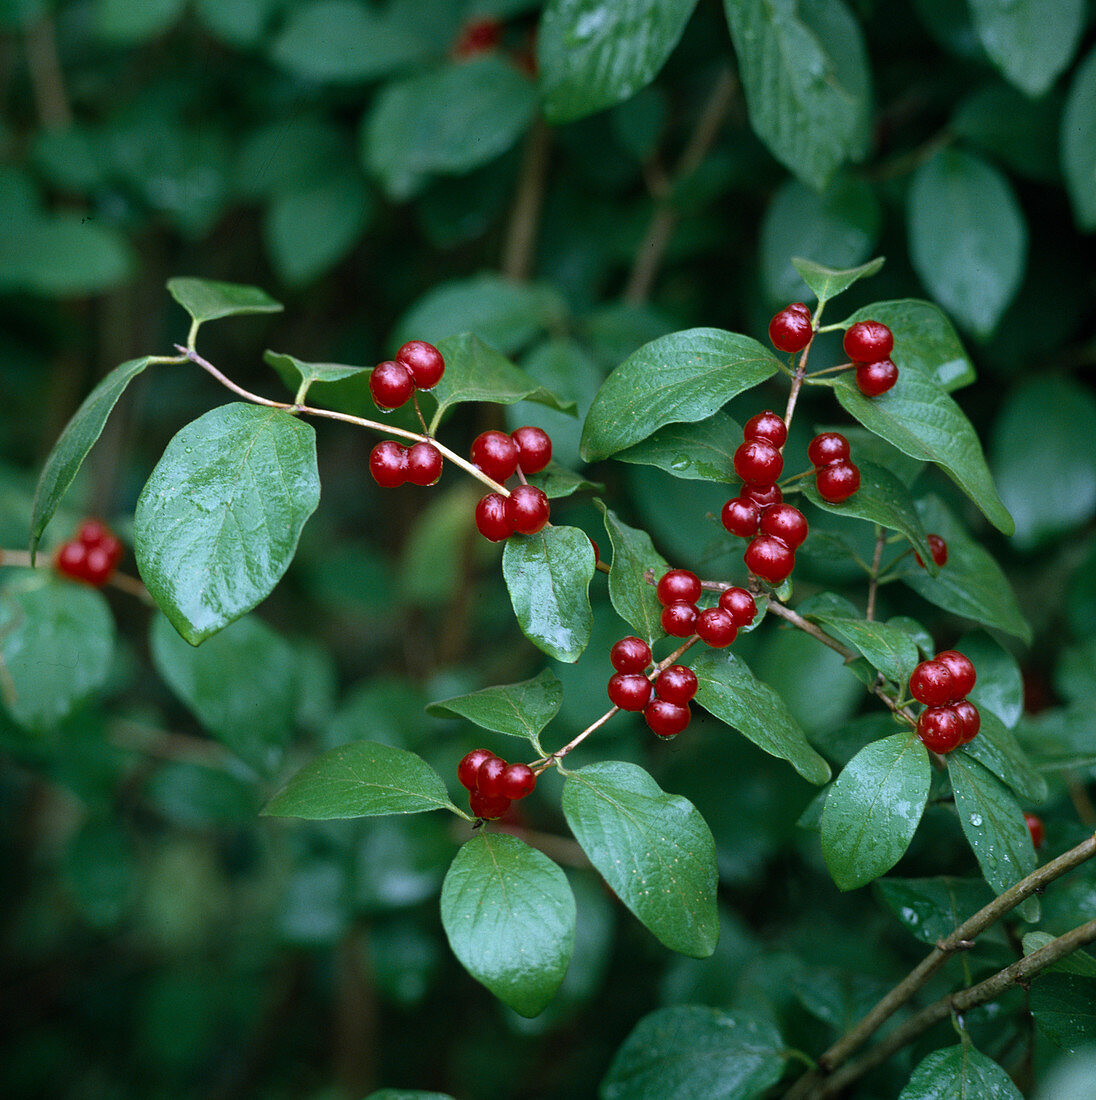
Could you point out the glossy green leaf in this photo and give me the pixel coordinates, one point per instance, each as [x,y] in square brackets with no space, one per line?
[703,451]
[932,908]
[971,584]
[959,1072]
[241,684]
[967,237]
[124,21]
[805,76]
[218,521]
[688,1051]
[828,282]
[1015,35]
[207,299]
[79,436]
[837,996]
[997,748]
[874,808]
[993,822]
[686,376]
[889,648]
[56,645]
[593,54]
[917,633]
[557,482]
[300,374]
[510,918]
[1078,139]
[1000,686]
[548,575]
[1063,1007]
[362,779]
[520,710]
[1019,132]
[730,691]
[632,597]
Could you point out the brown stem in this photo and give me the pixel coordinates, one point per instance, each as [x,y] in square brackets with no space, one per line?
[521,234]
[873,581]
[18,558]
[46,77]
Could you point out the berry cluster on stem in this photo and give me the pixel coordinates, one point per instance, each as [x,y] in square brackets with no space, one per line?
[492,783]
[92,556]
[943,684]
[525,511]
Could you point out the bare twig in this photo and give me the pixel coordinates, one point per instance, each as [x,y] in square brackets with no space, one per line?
[521,234]
[873,581]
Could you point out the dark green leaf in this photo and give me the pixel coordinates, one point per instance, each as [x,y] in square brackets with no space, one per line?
[101,870]
[889,648]
[688,1051]
[1064,737]
[510,918]
[218,521]
[967,237]
[79,436]
[557,482]
[595,53]
[122,21]
[1064,1007]
[1079,962]
[730,691]
[828,282]
[932,908]
[65,256]
[959,1072]
[1078,138]
[632,596]
[917,633]
[874,808]
[299,374]
[703,451]
[999,751]
[407,1094]
[548,575]
[363,779]
[207,299]
[236,22]
[1000,687]
[521,710]
[653,849]
[686,376]
[837,997]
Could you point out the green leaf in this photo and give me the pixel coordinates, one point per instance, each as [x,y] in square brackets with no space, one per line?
[686,376]
[730,691]
[218,521]
[557,482]
[1062,1005]
[889,648]
[407,1094]
[299,374]
[1078,962]
[1019,132]
[445,121]
[593,54]
[703,451]
[653,849]
[932,908]
[1000,752]
[967,237]
[520,710]
[68,454]
[363,779]
[992,821]
[64,256]
[242,685]
[805,76]
[1078,139]
[548,575]
[632,597]
[971,584]
[510,918]
[828,282]
[1000,686]
[56,645]
[874,808]
[1014,34]
[960,1071]
[207,299]
[123,21]
[239,23]
[688,1051]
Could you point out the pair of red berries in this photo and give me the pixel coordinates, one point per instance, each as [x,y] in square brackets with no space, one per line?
[392,464]
[869,345]
[526,510]
[678,592]
[492,784]
[417,366]
[943,684]
[92,556]
[665,703]
[836,476]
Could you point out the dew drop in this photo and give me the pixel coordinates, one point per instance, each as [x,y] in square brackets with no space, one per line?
[976,820]
[679,462]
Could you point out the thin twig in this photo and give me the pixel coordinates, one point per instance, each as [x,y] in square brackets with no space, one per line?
[873,580]
[17,558]
[521,233]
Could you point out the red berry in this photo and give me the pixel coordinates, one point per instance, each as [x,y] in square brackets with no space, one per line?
[71,560]
[92,532]
[496,454]
[740,516]
[98,566]
[630,654]
[491,518]
[790,329]
[969,718]
[740,604]
[678,586]
[769,558]
[534,449]
[424,464]
[868,341]
[629,690]
[1036,828]
[758,462]
[961,669]
[715,627]
[597,551]
[665,718]
[518,780]
[837,481]
[527,509]
[424,361]
[939,550]
[940,729]
[112,547]
[487,807]
[676,684]
[391,384]
[762,495]
[827,447]
[678,619]
[470,766]
[768,426]
[478,36]
[932,683]
[872,379]
[388,464]
[489,776]
[786,523]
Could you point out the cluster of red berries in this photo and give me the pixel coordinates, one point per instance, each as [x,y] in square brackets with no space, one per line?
[492,784]
[836,476]
[417,366]
[92,556]
[392,464]
[939,550]
[678,592]
[525,511]
[665,702]
[943,684]
[869,345]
